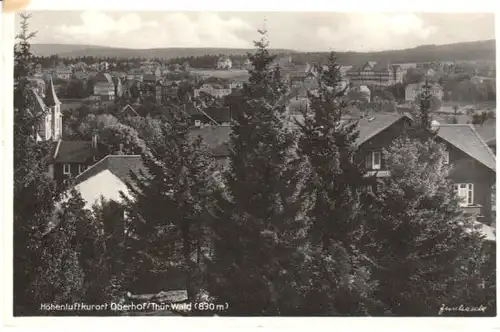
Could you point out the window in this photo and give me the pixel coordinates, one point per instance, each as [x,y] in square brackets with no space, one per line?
[81,168]
[376,160]
[66,169]
[373,160]
[465,191]
[447,157]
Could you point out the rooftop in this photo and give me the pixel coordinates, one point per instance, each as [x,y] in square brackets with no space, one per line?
[120,165]
[73,151]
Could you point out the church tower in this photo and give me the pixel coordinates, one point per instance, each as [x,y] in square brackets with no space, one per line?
[54,112]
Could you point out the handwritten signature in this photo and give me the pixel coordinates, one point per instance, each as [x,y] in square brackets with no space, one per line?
[461,308]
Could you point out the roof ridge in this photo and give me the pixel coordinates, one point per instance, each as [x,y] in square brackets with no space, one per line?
[483,142]
[100,162]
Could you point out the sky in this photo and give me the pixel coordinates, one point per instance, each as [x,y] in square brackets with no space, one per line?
[302,31]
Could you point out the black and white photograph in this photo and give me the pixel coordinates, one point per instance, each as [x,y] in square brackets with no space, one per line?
[254,164]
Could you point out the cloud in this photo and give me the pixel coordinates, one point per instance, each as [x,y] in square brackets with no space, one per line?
[168,30]
[203,30]
[376,31]
[98,24]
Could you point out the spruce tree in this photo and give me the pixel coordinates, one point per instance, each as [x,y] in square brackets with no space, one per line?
[60,278]
[168,208]
[260,226]
[34,192]
[418,228]
[336,186]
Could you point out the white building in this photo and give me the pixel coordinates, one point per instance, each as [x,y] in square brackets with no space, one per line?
[214,90]
[51,126]
[224,63]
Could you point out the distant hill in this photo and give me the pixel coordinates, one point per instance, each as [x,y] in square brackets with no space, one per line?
[68,50]
[479,50]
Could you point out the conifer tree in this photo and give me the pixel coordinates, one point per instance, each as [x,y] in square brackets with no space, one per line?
[422,245]
[60,276]
[336,185]
[167,209]
[34,192]
[260,226]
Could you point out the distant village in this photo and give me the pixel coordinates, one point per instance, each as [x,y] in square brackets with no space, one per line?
[379,95]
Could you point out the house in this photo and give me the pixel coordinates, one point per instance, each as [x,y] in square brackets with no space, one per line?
[363,90]
[224,63]
[412,91]
[213,115]
[214,90]
[104,87]
[63,72]
[216,138]
[372,73]
[51,126]
[71,158]
[108,178]
[474,163]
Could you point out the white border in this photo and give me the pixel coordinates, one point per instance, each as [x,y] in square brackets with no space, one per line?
[362,324]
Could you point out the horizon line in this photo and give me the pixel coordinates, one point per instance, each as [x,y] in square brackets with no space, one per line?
[270,48]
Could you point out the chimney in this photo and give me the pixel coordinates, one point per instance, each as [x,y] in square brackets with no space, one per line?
[94,140]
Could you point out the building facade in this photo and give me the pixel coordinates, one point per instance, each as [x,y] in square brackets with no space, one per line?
[372,73]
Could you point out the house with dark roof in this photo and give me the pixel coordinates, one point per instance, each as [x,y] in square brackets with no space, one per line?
[71,158]
[108,178]
[473,161]
[212,115]
[104,87]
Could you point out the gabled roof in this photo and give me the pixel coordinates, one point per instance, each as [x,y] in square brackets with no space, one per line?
[463,137]
[219,114]
[120,165]
[149,77]
[51,96]
[73,151]
[104,78]
[371,126]
[466,138]
[130,109]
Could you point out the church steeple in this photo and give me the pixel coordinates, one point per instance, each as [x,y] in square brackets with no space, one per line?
[51,97]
